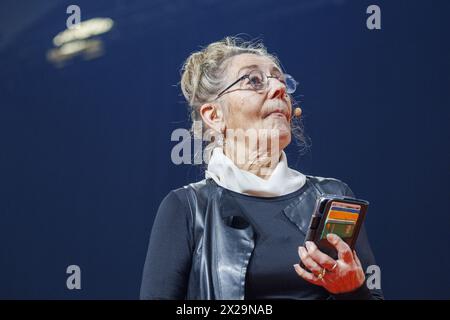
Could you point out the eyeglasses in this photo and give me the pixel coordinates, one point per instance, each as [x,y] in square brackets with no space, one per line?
[258,80]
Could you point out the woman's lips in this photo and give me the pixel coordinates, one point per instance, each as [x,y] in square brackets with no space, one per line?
[277,113]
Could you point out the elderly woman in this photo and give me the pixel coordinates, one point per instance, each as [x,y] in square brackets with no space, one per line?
[239,233]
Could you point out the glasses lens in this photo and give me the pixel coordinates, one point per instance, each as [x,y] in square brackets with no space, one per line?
[256,79]
[291,84]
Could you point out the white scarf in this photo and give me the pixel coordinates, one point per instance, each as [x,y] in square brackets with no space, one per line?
[225,173]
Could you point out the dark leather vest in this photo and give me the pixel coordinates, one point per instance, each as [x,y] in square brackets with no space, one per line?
[222,252]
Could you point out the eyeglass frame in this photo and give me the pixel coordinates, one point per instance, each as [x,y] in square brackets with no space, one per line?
[245,76]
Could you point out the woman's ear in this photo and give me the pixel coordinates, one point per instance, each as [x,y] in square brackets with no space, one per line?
[212,115]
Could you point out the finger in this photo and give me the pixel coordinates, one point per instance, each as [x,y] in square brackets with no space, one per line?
[307,275]
[344,251]
[355,257]
[321,258]
[308,261]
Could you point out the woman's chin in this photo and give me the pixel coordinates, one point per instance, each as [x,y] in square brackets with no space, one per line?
[282,127]
[285,140]
[283,134]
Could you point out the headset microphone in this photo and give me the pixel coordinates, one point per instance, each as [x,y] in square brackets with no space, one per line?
[297,112]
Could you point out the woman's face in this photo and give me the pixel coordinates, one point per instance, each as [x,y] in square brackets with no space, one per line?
[246,108]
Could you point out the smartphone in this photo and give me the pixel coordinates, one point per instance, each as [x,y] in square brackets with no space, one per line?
[336,214]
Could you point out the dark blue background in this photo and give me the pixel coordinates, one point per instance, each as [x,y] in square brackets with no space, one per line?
[85,149]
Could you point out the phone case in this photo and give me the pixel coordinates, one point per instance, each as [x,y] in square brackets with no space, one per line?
[341,215]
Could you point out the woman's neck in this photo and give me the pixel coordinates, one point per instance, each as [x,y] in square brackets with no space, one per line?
[260,163]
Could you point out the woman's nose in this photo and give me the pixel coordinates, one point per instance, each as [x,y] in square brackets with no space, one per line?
[276,89]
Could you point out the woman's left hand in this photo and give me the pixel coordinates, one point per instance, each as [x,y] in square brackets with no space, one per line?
[336,276]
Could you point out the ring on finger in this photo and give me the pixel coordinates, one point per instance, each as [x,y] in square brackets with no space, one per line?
[322,274]
[334,267]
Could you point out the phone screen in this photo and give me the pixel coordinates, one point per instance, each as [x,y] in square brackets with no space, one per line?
[341,219]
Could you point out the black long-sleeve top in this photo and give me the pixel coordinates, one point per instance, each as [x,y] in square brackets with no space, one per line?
[270,273]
